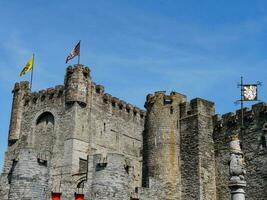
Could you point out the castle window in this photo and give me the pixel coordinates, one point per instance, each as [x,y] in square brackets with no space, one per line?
[45,117]
[263,143]
[167,101]
[104,127]
[127,168]
[44,136]
[171,110]
[82,166]
[101,166]
[113,104]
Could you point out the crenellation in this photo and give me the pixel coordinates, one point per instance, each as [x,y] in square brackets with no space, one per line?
[122,107]
[99,89]
[23,85]
[48,96]
[162,99]
[217,122]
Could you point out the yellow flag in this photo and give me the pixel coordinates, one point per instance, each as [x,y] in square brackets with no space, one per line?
[28,66]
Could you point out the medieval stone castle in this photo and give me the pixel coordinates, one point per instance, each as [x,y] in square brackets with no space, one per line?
[75,141]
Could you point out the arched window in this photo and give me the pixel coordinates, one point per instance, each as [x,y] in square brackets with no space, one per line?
[44,132]
[46,117]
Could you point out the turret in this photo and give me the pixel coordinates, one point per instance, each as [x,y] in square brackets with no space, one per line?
[112,177]
[162,142]
[19,91]
[77,79]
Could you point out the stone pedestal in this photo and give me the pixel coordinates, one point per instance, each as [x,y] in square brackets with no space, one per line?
[237,190]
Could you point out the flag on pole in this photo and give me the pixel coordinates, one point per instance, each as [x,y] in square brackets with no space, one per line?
[250,92]
[28,66]
[75,51]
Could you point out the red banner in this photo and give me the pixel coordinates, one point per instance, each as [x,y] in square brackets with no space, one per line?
[79,197]
[56,196]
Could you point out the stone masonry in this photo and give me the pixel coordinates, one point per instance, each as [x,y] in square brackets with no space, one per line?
[76,139]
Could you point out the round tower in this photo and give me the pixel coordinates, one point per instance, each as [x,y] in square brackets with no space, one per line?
[77,79]
[162,142]
[19,91]
[112,177]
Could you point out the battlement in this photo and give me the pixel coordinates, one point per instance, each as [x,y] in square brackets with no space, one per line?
[23,85]
[160,97]
[50,94]
[120,105]
[78,68]
[111,159]
[232,119]
[196,106]
[99,89]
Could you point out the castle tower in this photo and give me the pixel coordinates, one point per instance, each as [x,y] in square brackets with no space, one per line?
[197,150]
[162,143]
[111,176]
[76,84]
[19,91]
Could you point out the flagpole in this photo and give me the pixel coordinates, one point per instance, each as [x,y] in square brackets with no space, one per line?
[32,70]
[79,53]
[242,112]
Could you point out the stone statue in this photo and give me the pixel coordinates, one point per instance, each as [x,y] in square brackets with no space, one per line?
[237,170]
[237,181]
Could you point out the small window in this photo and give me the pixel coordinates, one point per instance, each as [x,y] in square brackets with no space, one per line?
[263,142]
[82,165]
[101,166]
[171,110]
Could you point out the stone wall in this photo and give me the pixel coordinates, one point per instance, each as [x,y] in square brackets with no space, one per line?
[254,148]
[197,150]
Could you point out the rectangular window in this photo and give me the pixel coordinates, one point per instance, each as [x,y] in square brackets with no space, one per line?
[82,165]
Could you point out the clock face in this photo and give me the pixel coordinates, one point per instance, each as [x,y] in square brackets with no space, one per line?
[250,92]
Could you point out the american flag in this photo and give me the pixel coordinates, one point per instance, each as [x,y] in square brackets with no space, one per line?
[75,51]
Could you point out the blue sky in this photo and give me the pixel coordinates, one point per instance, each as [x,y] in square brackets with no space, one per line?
[134,47]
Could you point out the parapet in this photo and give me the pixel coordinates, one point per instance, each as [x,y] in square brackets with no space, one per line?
[233,119]
[78,68]
[161,99]
[122,106]
[23,85]
[50,94]
[197,106]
